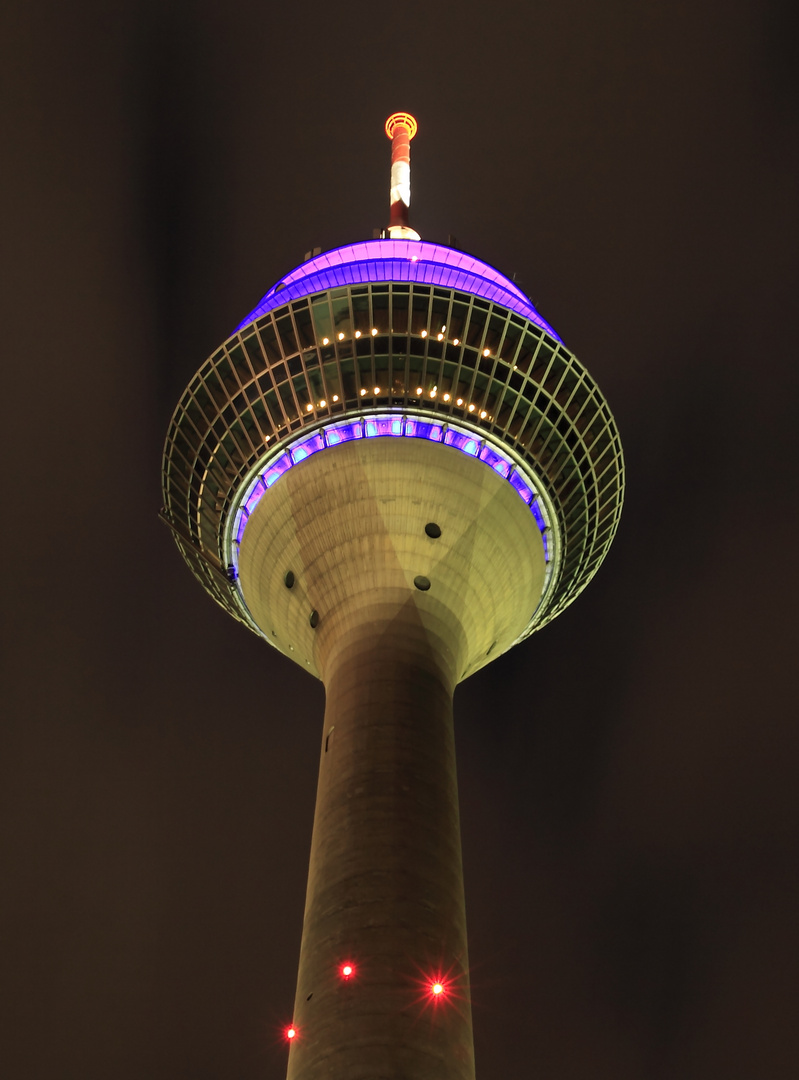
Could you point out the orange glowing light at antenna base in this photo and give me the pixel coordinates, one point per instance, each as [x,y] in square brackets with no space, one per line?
[405,120]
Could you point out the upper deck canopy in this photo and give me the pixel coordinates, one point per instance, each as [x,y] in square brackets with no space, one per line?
[398,260]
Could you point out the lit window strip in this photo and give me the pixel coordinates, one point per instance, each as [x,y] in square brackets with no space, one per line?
[386,425]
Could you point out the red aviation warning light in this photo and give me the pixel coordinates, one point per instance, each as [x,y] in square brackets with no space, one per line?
[441,986]
[347,970]
[291,1032]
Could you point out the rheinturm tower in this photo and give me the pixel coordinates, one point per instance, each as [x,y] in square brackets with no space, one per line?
[392,472]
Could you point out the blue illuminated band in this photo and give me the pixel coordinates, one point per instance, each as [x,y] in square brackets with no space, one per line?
[386,425]
[398,261]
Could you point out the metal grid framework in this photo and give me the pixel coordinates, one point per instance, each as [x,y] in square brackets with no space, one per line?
[355,349]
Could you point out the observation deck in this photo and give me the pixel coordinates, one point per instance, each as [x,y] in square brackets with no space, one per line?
[404,339]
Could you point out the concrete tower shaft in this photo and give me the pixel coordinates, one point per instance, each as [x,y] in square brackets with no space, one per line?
[385,884]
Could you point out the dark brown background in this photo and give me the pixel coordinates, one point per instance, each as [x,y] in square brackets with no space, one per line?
[628,777]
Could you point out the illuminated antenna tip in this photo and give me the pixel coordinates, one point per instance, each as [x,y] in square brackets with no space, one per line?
[403,119]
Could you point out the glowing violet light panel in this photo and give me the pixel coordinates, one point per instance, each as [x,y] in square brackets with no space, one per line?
[398,260]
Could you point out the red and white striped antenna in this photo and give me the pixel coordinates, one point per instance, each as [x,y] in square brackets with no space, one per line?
[401,128]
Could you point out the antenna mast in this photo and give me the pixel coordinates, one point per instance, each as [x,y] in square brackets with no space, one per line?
[401,128]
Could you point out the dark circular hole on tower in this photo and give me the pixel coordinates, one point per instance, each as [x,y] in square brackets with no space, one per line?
[421,582]
[288,579]
[433,530]
[314,619]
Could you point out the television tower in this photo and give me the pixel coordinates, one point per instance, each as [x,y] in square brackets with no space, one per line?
[392,472]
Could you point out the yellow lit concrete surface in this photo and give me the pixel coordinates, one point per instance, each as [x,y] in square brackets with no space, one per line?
[385,887]
[349,523]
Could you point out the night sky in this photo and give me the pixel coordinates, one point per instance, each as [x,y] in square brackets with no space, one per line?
[629,777]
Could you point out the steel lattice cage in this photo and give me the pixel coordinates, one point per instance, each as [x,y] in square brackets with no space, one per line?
[406,346]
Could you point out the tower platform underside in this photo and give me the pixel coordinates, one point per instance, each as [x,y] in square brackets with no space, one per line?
[347,529]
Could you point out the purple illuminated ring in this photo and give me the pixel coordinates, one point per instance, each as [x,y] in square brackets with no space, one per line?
[397,261]
[391,425]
